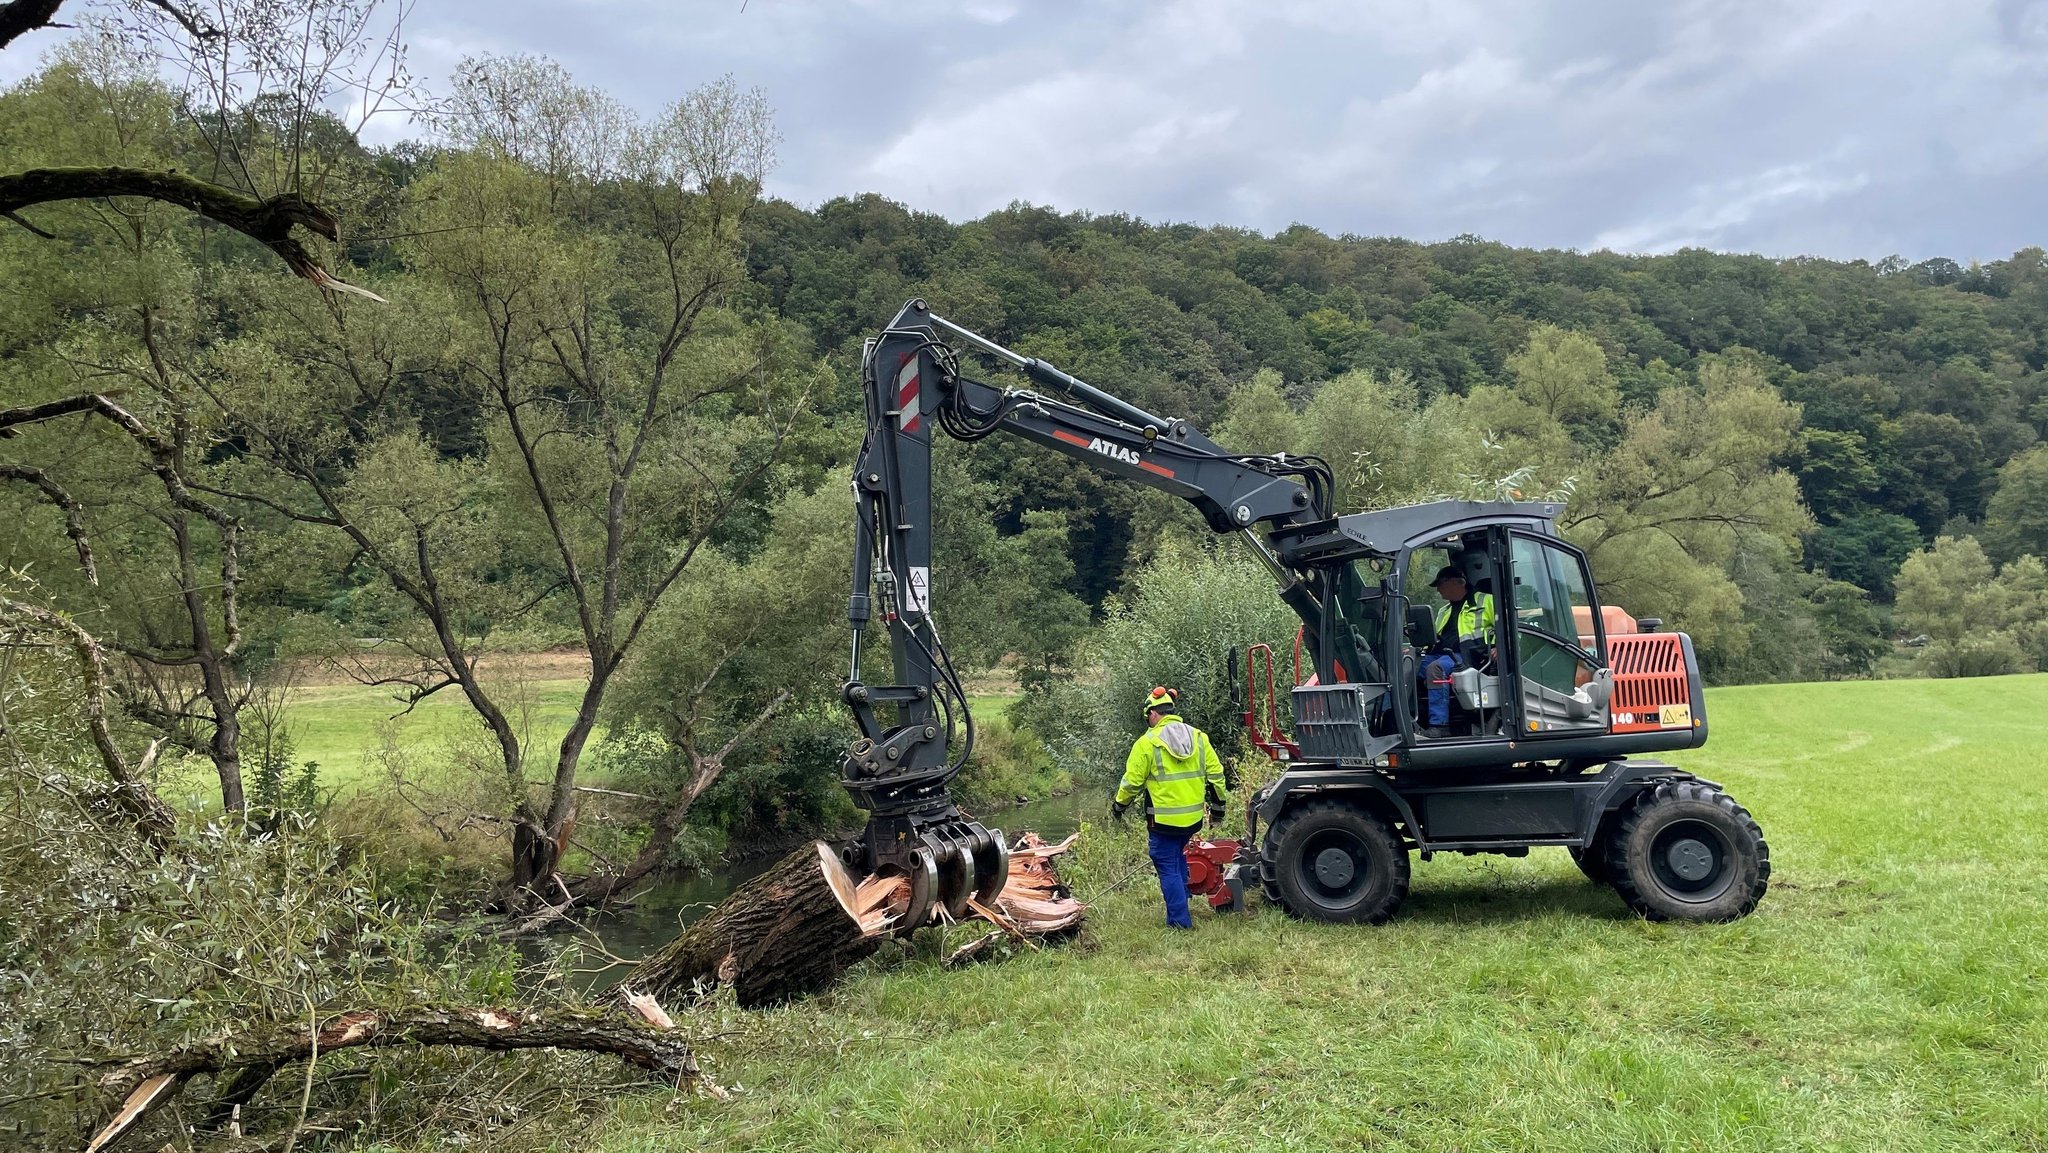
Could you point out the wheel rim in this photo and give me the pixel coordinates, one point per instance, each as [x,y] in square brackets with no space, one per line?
[1335,868]
[1692,861]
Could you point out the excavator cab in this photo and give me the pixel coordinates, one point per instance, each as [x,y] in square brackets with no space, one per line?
[1543,676]
[1531,671]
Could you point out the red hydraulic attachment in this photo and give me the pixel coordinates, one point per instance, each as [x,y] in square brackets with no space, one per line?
[1214,872]
[1262,705]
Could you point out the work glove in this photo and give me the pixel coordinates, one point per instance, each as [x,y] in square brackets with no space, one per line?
[1116,809]
[1215,813]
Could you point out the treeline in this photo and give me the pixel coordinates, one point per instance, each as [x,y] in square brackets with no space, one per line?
[1915,392]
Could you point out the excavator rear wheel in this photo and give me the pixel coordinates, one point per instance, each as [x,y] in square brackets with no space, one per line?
[1592,861]
[1332,860]
[1685,851]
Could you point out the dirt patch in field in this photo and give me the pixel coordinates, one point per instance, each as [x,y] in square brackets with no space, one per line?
[551,665]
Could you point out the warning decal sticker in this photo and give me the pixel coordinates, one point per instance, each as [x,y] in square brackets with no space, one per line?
[920,591]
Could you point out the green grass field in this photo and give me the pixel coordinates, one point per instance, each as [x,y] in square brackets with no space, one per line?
[1891,993]
[338,725]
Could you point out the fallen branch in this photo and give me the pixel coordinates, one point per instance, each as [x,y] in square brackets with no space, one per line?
[143,1084]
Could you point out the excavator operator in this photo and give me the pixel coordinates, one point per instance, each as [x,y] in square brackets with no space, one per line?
[1174,764]
[1464,637]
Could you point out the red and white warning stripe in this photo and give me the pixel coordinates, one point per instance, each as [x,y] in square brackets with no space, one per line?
[906,395]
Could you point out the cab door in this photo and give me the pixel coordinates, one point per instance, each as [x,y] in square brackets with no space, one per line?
[1563,681]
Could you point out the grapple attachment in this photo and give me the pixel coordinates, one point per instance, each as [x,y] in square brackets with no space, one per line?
[951,865]
[948,864]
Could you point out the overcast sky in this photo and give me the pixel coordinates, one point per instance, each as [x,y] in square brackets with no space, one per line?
[1831,127]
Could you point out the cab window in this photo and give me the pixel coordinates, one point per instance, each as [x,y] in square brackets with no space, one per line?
[1557,644]
[1551,594]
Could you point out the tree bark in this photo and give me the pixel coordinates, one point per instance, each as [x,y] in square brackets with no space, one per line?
[787,933]
[269,221]
[51,410]
[22,16]
[142,1084]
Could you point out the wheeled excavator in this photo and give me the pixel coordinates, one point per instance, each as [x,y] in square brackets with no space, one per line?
[1552,715]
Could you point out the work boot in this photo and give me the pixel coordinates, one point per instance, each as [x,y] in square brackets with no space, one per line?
[1436,732]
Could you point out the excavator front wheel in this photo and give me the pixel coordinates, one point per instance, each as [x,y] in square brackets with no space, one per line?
[1332,860]
[1685,851]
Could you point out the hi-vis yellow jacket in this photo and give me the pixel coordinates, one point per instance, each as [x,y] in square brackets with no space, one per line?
[1174,763]
[1475,618]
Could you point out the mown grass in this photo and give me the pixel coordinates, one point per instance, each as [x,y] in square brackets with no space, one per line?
[342,726]
[1891,992]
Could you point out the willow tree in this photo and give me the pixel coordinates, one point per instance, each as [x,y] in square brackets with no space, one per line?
[560,410]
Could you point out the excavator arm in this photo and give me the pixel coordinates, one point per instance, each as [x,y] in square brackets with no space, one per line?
[912,380]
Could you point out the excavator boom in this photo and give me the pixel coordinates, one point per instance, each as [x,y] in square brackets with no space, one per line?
[918,731]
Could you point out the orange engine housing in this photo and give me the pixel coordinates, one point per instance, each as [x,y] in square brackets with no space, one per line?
[1649,674]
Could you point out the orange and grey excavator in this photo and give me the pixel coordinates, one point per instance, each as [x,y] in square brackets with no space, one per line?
[1549,712]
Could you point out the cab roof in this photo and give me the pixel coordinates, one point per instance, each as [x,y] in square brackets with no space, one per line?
[1387,531]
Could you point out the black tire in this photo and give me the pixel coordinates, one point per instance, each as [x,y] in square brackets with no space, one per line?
[1685,851]
[1333,861]
[1592,860]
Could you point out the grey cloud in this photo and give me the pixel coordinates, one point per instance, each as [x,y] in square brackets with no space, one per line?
[1837,127]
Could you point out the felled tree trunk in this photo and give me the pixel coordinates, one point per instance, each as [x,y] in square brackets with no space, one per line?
[784,934]
[794,929]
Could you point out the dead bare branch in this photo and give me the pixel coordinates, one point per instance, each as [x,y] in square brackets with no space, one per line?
[269,221]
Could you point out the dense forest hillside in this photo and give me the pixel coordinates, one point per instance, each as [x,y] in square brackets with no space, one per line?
[1915,385]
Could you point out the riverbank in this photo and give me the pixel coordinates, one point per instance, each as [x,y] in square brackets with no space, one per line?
[1891,992]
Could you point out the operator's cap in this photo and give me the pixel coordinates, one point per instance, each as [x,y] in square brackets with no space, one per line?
[1448,572]
[1163,699]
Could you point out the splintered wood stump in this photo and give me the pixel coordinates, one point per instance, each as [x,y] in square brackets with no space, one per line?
[786,933]
[797,927]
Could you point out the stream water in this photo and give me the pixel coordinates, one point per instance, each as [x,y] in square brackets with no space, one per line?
[674,902]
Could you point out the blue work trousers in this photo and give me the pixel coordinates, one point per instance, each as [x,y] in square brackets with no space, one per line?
[1168,848]
[1436,675]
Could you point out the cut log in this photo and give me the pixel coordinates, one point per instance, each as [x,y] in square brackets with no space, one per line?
[794,929]
[786,933]
[1033,899]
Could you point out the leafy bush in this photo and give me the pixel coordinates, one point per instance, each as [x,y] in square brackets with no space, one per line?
[1008,762]
[1176,625]
[110,947]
